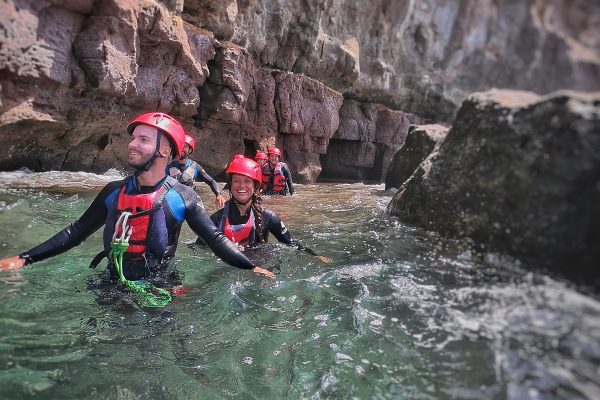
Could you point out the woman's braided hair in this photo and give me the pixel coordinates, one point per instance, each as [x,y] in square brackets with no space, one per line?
[258,212]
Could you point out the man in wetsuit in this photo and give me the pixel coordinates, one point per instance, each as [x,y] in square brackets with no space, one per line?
[276,176]
[187,171]
[153,204]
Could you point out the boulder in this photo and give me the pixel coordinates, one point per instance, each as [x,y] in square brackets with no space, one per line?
[518,173]
[420,142]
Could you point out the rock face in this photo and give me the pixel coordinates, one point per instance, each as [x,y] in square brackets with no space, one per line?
[420,142]
[366,140]
[520,173]
[423,56]
[322,80]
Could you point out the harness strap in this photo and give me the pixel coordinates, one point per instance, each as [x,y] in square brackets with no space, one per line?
[122,221]
[98,258]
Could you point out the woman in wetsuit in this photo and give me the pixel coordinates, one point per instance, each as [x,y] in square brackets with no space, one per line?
[243,219]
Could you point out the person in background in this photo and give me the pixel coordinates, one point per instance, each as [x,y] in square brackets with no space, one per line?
[277,178]
[146,210]
[261,158]
[187,171]
[243,219]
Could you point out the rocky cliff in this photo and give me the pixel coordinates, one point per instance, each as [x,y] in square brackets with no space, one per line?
[335,83]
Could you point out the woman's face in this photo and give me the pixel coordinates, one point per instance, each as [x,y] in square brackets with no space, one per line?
[242,188]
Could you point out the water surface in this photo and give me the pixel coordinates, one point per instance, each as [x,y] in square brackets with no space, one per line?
[399,313]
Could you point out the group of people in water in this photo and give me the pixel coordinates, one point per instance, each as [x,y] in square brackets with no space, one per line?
[147,209]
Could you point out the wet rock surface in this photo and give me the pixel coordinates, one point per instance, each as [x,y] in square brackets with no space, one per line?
[246,75]
[518,173]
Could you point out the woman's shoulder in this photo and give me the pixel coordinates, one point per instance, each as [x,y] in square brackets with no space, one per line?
[268,213]
[217,214]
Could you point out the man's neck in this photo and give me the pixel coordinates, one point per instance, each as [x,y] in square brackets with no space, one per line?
[273,165]
[151,177]
[182,160]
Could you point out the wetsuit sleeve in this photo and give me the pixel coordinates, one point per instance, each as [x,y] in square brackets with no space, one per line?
[288,178]
[91,220]
[216,217]
[280,231]
[203,226]
[201,175]
[276,226]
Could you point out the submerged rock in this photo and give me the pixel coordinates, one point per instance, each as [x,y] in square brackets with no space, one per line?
[519,173]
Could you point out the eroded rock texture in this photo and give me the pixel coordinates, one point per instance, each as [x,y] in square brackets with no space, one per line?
[325,81]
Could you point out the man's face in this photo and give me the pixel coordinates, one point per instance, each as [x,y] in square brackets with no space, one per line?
[143,144]
[273,158]
[187,149]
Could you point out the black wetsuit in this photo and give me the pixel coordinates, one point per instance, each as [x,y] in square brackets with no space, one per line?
[179,204]
[190,172]
[271,224]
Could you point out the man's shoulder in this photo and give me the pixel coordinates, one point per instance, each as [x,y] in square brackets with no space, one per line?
[195,164]
[183,190]
[117,184]
[181,197]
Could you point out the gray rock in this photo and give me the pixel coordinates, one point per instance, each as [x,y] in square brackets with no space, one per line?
[420,142]
[518,173]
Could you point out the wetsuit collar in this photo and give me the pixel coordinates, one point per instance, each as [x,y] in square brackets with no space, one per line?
[237,203]
[146,189]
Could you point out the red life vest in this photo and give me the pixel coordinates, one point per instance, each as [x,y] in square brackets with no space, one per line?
[278,177]
[140,206]
[265,177]
[242,233]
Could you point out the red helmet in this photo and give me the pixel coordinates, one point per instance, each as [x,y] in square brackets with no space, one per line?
[261,155]
[275,150]
[245,166]
[166,124]
[191,142]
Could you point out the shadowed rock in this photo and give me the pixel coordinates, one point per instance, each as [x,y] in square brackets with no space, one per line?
[247,75]
[419,143]
[518,173]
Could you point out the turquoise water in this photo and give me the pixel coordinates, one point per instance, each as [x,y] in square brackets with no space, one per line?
[399,313]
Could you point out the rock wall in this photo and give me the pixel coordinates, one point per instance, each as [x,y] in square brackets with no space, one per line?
[518,173]
[323,80]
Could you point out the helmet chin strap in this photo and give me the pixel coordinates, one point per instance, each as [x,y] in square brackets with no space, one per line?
[239,203]
[148,165]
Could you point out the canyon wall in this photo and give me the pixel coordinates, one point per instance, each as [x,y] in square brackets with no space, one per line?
[336,84]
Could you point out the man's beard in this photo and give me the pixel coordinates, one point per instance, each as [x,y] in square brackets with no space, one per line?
[139,165]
